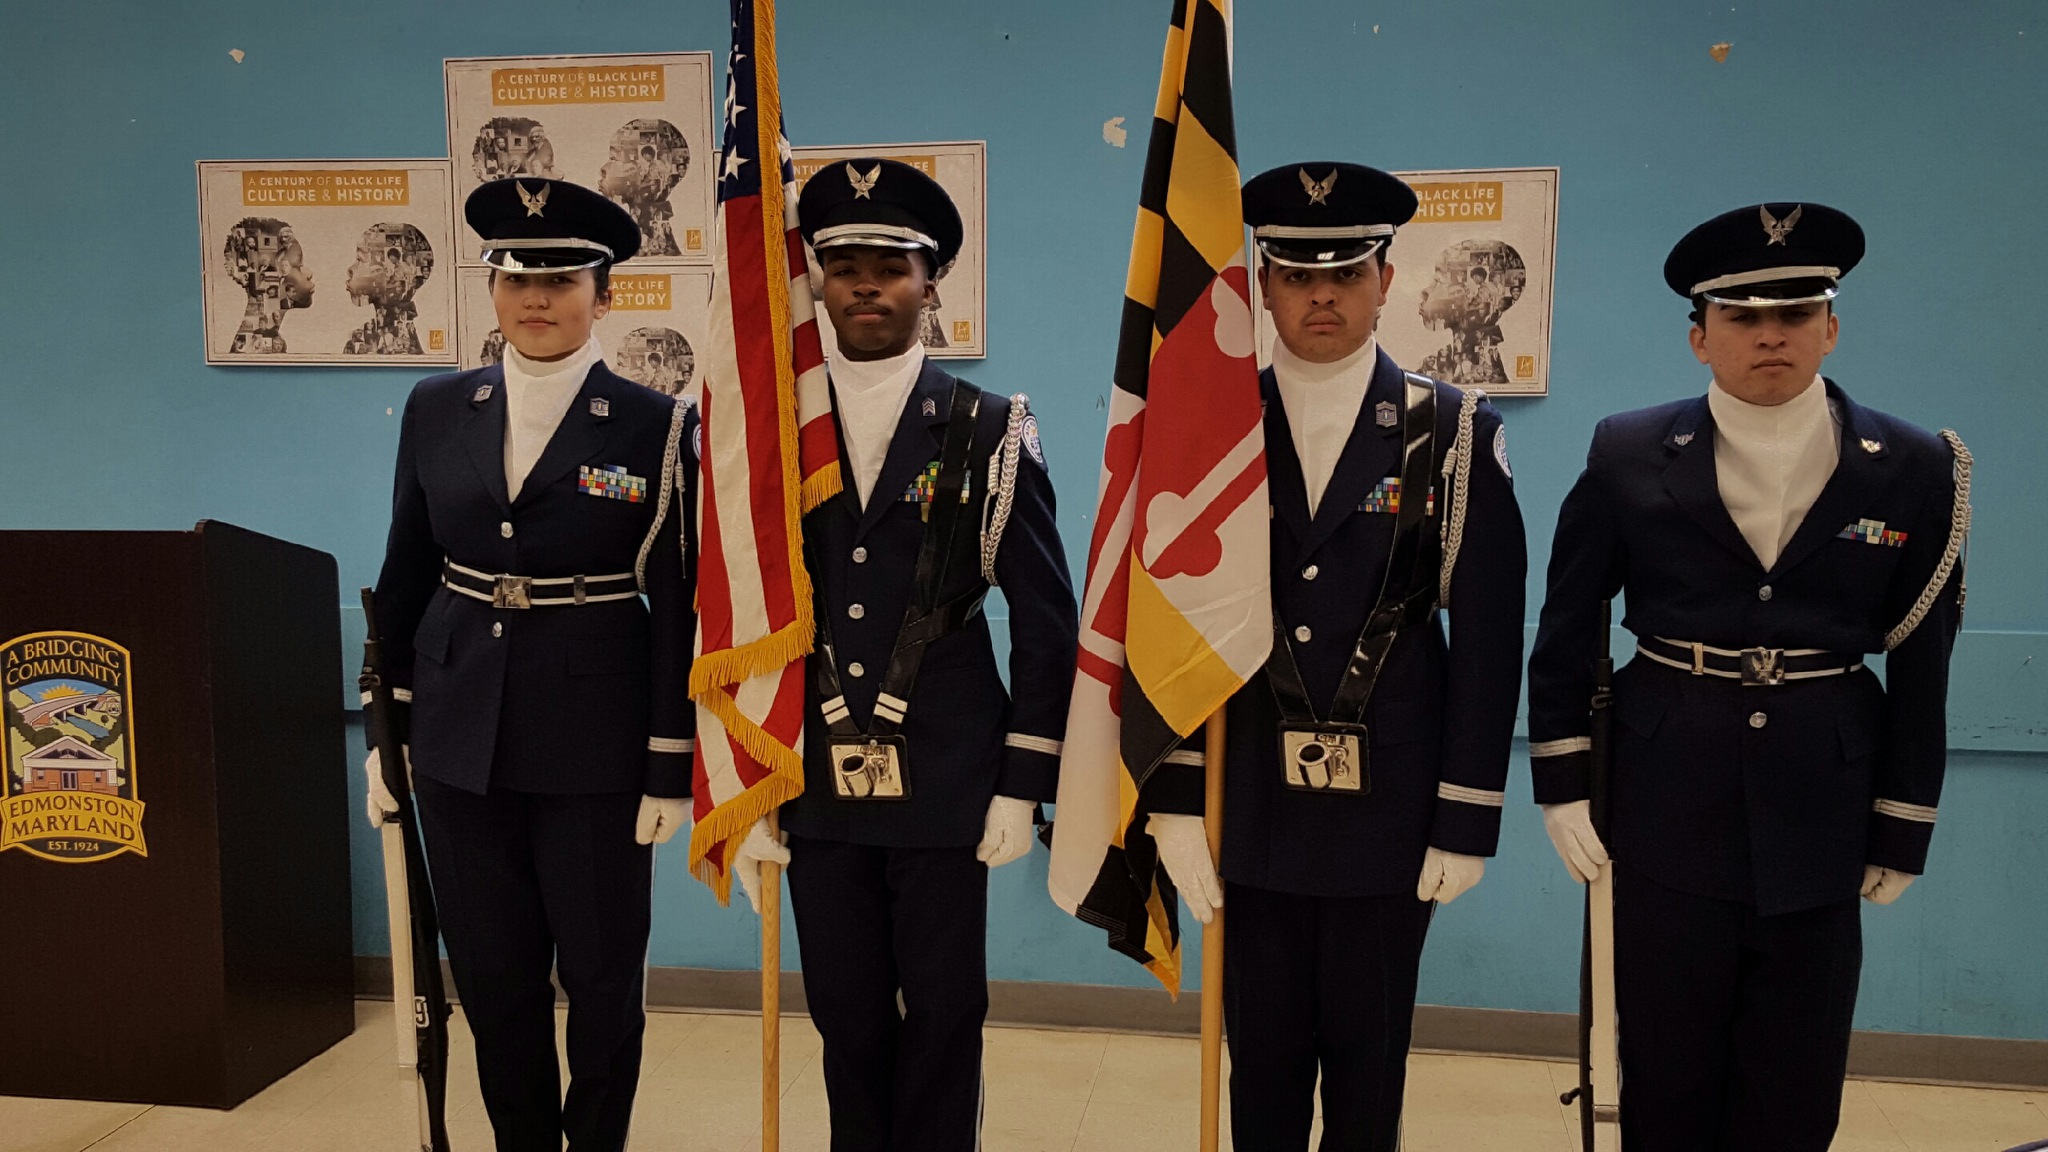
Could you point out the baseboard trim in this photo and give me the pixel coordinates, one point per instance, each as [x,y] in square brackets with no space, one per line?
[1972,1061]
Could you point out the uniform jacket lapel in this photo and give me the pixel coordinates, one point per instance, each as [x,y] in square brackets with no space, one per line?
[483,434]
[1692,481]
[1370,455]
[1861,470]
[919,438]
[578,438]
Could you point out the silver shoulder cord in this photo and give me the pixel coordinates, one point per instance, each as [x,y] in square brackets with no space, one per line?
[1954,553]
[1457,475]
[671,481]
[1002,486]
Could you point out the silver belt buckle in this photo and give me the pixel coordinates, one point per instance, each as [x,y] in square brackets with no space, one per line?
[1764,667]
[513,592]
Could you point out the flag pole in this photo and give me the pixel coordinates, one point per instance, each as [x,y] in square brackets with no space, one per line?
[771,1000]
[1212,942]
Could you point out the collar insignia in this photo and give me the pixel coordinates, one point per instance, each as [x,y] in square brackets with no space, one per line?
[1385,414]
[482,393]
[536,204]
[1318,190]
[1776,230]
[599,406]
[1873,446]
[930,407]
[1682,439]
[862,185]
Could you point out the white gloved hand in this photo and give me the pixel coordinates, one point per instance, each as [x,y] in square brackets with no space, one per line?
[1447,875]
[1578,845]
[1884,885]
[1006,833]
[382,803]
[760,846]
[1184,852]
[659,818]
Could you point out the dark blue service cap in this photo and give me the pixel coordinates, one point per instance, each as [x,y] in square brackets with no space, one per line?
[878,203]
[531,224]
[1325,214]
[1766,255]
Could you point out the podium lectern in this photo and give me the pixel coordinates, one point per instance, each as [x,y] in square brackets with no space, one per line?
[174,888]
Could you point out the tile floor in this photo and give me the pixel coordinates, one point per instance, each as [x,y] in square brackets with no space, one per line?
[1047,1092]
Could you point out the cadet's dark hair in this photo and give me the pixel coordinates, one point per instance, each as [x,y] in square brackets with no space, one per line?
[600,275]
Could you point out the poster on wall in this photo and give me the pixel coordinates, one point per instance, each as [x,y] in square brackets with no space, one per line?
[1474,281]
[955,325]
[636,128]
[335,262]
[654,333]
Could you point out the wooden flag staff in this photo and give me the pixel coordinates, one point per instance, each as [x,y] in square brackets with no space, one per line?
[1212,942]
[771,999]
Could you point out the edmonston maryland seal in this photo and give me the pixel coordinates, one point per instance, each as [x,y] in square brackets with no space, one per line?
[67,743]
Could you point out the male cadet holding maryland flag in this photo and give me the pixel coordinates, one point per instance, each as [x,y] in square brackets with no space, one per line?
[550,730]
[1767,535]
[1366,766]
[921,771]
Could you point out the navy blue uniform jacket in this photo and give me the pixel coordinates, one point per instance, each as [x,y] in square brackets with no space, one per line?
[589,698]
[968,738]
[1765,795]
[1442,717]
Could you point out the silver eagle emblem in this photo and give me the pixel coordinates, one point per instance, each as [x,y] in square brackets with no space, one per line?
[862,185]
[1318,190]
[1777,229]
[536,204]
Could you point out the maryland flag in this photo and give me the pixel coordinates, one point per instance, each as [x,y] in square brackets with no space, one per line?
[770,454]
[1177,612]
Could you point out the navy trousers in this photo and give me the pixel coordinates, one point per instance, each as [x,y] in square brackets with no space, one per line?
[1734,1026]
[529,884]
[1319,984]
[874,923]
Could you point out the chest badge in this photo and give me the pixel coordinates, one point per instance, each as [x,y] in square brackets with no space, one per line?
[599,406]
[1386,497]
[1872,532]
[1385,415]
[482,393]
[612,482]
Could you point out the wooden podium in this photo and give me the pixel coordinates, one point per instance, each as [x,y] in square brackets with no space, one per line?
[174,878]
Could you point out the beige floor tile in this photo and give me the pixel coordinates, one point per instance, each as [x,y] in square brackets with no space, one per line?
[1150,1070]
[1864,1127]
[37,1125]
[1936,1119]
[1016,1124]
[1461,1091]
[1448,1134]
[1107,1127]
[727,1048]
[806,1121]
[1019,1063]
[699,1116]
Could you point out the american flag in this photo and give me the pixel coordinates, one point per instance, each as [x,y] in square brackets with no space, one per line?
[770,454]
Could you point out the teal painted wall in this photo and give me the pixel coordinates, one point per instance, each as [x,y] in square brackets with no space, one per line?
[1925,120]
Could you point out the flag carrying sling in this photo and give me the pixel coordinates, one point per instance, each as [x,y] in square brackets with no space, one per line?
[1177,612]
[769,454]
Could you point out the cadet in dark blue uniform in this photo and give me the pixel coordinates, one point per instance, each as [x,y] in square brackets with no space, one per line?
[1767,536]
[538,614]
[1367,762]
[921,771]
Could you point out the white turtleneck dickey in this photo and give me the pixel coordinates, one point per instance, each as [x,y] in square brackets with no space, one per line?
[1322,403]
[870,396]
[537,395]
[1771,462]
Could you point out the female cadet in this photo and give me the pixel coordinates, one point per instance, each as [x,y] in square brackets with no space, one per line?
[550,731]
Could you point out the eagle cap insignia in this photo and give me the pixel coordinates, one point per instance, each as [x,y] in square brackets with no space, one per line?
[1775,230]
[536,203]
[862,185]
[1318,190]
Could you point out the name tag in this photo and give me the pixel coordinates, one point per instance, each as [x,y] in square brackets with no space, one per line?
[612,482]
[1386,497]
[1872,532]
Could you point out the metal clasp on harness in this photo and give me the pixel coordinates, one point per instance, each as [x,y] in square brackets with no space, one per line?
[1763,666]
[512,592]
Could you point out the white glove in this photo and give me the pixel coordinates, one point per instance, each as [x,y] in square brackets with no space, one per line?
[382,803]
[1006,834]
[659,818]
[1884,885]
[760,846]
[1184,851]
[1447,875]
[1571,830]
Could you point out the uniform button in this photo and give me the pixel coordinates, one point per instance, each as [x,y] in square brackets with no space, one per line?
[1758,719]
[1310,572]
[505,529]
[860,555]
[856,611]
[856,670]
[1764,593]
[1303,634]
[497,629]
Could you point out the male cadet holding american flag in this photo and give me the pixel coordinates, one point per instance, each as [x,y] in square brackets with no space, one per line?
[1366,764]
[921,771]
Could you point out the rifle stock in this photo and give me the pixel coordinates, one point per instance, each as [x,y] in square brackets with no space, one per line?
[1599,1091]
[430,1009]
